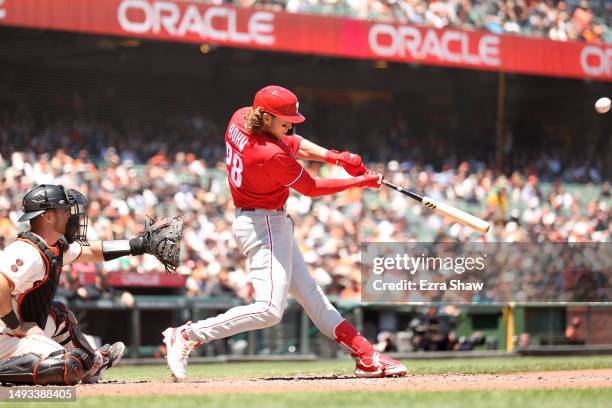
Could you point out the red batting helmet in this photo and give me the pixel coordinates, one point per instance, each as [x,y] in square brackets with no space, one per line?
[279,102]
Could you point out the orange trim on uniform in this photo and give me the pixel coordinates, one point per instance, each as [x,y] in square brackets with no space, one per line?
[10,281]
[47,273]
[66,366]
[36,368]
[52,248]
[66,382]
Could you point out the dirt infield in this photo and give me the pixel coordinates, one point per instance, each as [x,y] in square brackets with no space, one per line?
[444,382]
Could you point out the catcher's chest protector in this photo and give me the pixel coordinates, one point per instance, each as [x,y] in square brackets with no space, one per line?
[34,304]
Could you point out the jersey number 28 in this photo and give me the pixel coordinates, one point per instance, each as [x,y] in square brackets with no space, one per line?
[234,162]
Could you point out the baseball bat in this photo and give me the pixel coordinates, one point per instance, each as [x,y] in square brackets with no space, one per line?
[456,214]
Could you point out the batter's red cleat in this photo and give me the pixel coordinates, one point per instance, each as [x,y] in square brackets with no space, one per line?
[370,363]
[178,350]
[377,366]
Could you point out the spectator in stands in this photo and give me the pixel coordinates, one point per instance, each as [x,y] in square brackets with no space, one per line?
[149,176]
[541,18]
[572,332]
[223,287]
[197,282]
[353,290]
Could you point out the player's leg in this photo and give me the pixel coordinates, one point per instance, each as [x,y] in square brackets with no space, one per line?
[327,319]
[39,360]
[310,295]
[11,346]
[264,238]
[62,327]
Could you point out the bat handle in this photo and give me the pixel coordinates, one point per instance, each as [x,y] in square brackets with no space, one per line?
[402,190]
[390,184]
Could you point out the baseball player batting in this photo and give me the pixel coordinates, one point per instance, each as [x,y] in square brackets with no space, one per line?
[40,341]
[262,166]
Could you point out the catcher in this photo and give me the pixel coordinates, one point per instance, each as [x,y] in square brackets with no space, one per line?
[40,341]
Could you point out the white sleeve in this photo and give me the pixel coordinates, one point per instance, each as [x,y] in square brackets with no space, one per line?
[23,265]
[72,253]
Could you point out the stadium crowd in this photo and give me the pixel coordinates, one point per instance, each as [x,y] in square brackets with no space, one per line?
[153,156]
[560,20]
[330,229]
[134,157]
[126,178]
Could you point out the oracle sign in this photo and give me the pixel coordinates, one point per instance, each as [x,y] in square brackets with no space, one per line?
[215,23]
[137,279]
[451,46]
[199,21]
[596,61]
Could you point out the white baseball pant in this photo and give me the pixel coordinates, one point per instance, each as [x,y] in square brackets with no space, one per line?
[12,346]
[276,269]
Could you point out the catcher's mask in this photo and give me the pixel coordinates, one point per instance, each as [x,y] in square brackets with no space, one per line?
[48,197]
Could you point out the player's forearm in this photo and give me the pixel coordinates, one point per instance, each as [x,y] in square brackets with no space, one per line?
[350,162]
[311,151]
[100,251]
[316,187]
[7,315]
[91,253]
[5,297]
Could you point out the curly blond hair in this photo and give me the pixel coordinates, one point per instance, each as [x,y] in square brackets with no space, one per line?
[254,120]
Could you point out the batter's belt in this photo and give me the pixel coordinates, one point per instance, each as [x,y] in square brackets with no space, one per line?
[282,209]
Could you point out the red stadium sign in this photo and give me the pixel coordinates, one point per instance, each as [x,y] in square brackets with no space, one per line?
[446,46]
[175,20]
[134,279]
[209,23]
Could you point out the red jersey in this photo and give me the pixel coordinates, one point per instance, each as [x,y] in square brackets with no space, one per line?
[260,168]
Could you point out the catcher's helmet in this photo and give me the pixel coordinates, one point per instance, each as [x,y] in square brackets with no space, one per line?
[279,102]
[50,196]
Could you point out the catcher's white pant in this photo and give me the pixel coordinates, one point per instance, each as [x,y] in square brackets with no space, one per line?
[12,346]
[276,269]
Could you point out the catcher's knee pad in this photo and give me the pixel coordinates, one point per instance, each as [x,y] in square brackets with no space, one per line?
[19,369]
[59,368]
[65,322]
[63,369]
[67,331]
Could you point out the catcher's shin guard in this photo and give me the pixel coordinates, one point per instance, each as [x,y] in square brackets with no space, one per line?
[67,332]
[19,369]
[59,368]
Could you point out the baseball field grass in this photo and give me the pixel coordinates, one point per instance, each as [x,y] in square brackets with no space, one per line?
[441,379]
[345,367]
[591,398]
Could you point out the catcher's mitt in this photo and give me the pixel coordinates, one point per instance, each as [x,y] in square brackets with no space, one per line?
[163,240]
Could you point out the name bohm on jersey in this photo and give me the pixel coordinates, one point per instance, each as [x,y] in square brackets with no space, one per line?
[237,137]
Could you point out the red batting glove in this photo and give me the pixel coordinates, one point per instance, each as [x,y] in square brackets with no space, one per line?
[348,161]
[371,180]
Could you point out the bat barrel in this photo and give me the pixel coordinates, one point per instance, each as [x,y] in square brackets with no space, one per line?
[456,214]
